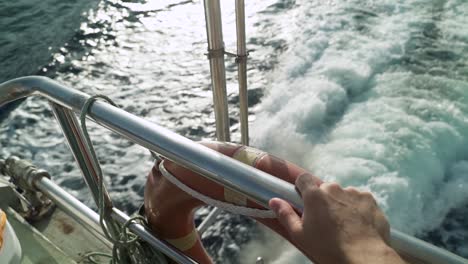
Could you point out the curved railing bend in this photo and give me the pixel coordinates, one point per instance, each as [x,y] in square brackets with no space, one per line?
[233,174]
[256,184]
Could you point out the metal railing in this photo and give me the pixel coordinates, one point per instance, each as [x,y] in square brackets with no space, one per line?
[214,33]
[255,184]
[216,55]
[242,72]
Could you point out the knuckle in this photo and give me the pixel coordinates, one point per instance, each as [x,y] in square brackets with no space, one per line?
[352,190]
[381,218]
[331,187]
[310,194]
[297,234]
[382,225]
[301,180]
[368,196]
[283,213]
[304,183]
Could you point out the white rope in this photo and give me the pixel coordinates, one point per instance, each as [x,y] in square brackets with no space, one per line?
[235,209]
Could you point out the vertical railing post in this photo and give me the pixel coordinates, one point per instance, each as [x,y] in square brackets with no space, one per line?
[77,143]
[218,75]
[75,139]
[214,33]
[242,71]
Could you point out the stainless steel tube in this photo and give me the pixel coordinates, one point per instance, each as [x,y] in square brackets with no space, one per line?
[419,251]
[208,220]
[214,34]
[257,185]
[77,210]
[144,234]
[90,219]
[243,103]
[75,139]
[242,72]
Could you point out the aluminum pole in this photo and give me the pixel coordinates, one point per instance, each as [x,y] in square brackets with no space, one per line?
[241,61]
[145,234]
[74,208]
[242,72]
[90,219]
[235,175]
[75,139]
[214,34]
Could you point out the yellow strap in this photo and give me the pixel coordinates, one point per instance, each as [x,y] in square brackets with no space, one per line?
[247,156]
[186,242]
[234,197]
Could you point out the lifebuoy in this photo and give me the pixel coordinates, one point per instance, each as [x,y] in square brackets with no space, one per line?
[170,211]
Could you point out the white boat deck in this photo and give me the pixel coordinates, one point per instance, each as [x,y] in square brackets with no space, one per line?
[55,239]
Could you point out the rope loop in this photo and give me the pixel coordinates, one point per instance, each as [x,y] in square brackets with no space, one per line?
[127,247]
[232,208]
[104,211]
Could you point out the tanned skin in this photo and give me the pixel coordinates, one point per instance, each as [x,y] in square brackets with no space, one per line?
[338,225]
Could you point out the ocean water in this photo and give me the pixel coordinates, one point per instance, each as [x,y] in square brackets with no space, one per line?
[372,94]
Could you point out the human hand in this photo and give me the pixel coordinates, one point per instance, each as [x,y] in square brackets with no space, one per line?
[338,225]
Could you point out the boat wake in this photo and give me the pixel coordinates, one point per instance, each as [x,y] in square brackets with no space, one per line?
[375,95]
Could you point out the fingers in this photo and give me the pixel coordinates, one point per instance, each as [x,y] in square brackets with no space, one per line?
[383,226]
[307,180]
[332,188]
[367,202]
[288,218]
[352,191]
[369,198]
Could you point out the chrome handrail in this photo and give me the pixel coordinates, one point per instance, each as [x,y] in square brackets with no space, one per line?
[233,174]
[257,185]
[88,218]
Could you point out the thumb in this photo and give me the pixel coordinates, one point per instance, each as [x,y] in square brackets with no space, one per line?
[286,215]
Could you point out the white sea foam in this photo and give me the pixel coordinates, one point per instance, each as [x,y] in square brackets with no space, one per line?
[371,95]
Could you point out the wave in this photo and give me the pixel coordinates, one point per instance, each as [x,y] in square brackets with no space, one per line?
[374,95]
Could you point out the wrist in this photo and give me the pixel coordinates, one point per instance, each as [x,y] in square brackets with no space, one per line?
[371,251]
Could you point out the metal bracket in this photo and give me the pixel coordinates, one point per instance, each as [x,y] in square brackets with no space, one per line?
[216,53]
[239,58]
[23,175]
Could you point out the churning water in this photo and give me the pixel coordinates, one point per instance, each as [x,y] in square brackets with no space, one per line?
[367,93]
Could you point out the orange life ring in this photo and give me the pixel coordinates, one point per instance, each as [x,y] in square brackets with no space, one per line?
[170,211]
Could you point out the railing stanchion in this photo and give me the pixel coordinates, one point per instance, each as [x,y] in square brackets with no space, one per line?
[242,72]
[74,136]
[214,34]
